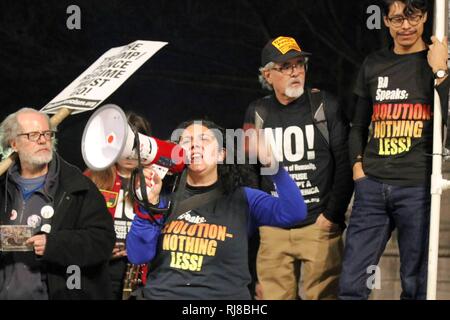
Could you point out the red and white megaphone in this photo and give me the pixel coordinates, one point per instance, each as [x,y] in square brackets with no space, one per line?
[108,138]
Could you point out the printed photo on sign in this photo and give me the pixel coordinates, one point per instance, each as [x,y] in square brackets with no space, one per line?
[13,238]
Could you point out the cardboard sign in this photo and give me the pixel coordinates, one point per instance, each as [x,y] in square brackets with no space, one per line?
[103,77]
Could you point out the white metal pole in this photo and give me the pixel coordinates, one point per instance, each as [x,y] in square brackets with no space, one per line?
[437,183]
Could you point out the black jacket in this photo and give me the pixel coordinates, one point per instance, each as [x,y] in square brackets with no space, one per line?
[82,235]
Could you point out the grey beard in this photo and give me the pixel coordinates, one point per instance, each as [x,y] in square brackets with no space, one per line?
[37,161]
[294,93]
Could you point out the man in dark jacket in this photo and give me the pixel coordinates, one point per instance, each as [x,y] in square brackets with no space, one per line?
[68,230]
[314,149]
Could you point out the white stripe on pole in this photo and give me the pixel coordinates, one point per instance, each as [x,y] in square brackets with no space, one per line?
[440,10]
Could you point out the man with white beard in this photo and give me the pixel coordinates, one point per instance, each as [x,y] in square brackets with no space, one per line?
[69,230]
[310,134]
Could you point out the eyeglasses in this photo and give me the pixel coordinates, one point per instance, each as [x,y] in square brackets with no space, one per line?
[413,20]
[36,135]
[288,68]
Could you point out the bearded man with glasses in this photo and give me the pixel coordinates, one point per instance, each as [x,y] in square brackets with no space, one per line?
[395,89]
[64,216]
[314,150]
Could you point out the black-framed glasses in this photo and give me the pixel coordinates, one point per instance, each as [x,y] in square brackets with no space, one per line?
[288,68]
[413,20]
[36,135]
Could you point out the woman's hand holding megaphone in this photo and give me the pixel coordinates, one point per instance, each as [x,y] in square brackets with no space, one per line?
[153,183]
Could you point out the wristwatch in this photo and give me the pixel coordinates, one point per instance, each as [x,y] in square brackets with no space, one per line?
[441,73]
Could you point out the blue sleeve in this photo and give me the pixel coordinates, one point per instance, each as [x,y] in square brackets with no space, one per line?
[285,211]
[142,239]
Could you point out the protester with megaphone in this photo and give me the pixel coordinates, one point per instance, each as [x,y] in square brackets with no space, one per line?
[199,251]
[113,183]
[58,211]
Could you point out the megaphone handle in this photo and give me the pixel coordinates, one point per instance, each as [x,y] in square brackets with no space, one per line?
[58,117]
[54,120]
[8,162]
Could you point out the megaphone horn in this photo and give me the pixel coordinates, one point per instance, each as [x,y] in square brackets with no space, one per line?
[107,138]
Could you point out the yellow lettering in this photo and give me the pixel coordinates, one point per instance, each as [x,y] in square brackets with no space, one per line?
[185,263]
[181,242]
[203,246]
[189,247]
[173,243]
[172,260]
[393,144]
[191,230]
[418,126]
[212,246]
[212,232]
[183,230]
[193,263]
[222,232]
[166,239]
[401,145]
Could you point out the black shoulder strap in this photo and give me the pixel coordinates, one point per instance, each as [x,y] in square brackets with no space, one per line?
[317,103]
[261,111]
[198,200]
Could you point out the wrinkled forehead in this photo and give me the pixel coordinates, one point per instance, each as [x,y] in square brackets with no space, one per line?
[29,121]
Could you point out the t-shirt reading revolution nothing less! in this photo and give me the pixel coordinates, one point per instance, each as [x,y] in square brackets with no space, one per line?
[399,91]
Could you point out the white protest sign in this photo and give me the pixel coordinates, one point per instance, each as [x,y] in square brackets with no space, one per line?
[103,77]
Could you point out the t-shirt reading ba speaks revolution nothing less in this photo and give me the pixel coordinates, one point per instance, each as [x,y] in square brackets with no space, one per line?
[400,91]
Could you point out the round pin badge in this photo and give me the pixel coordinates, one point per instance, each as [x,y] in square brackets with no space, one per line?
[34,221]
[46,228]
[13,215]
[47,212]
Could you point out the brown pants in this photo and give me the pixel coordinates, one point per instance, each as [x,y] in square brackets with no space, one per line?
[320,253]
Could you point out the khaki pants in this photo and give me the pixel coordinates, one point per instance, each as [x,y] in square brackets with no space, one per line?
[319,252]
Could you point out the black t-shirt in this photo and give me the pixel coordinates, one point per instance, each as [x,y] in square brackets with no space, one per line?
[306,154]
[400,91]
[123,217]
[203,252]
[124,213]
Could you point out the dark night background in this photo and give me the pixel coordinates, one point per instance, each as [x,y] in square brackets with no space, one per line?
[209,69]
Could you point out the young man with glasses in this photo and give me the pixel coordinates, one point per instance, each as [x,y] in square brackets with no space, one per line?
[392,170]
[314,151]
[63,214]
